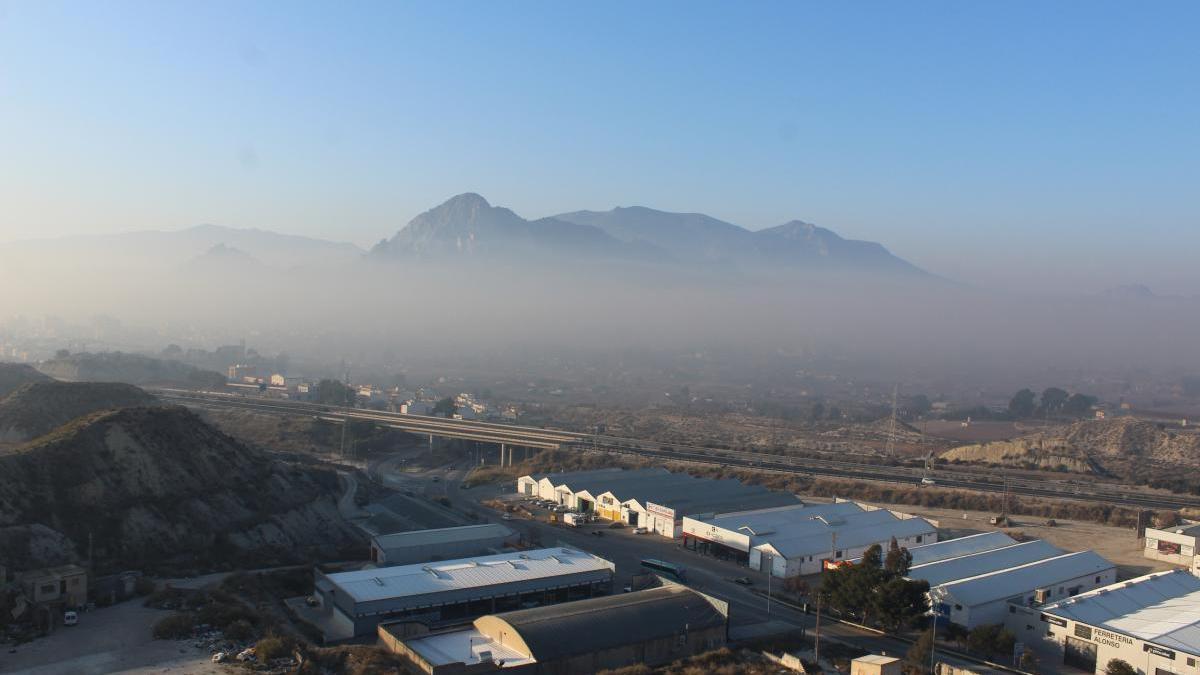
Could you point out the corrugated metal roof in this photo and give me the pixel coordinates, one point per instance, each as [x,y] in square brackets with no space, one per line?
[984,562]
[952,548]
[853,530]
[1018,580]
[422,579]
[682,492]
[1162,608]
[443,535]
[780,519]
[588,626]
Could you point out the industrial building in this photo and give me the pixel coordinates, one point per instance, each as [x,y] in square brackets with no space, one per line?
[953,548]
[655,499]
[800,539]
[457,590]
[406,548]
[949,570]
[985,598]
[1151,622]
[1177,545]
[653,627]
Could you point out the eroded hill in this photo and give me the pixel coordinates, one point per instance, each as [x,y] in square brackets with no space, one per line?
[1124,447]
[14,375]
[39,407]
[157,488]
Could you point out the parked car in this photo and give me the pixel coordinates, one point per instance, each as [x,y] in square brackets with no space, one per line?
[744,581]
[507,516]
[70,618]
[598,533]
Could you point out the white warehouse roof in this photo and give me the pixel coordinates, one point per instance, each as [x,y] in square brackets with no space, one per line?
[953,548]
[1018,580]
[443,535]
[423,579]
[1162,608]
[779,520]
[985,562]
[853,530]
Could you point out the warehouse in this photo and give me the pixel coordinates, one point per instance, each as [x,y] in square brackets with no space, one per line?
[984,599]
[655,499]
[458,590]
[942,572]
[1177,545]
[1151,622]
[406,548]
[837,539]
[651,627]
[953,548]
[800,539]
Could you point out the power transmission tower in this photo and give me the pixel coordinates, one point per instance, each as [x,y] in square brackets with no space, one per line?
[891,442]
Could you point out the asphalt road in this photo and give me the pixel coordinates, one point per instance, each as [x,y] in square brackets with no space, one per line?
[1086,489]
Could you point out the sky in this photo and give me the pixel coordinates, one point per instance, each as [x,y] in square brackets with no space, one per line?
[1026,146]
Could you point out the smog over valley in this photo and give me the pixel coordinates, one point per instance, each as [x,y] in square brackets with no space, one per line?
[553,338]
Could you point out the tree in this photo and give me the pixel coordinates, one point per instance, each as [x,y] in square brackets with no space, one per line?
[898,560]
[1022,404]
[920,404]
[62,354]
[1078,405]
[991,639]
[1119,667]
[333,392]
[1053,399]
[445,407]
[919,654]
[900,602]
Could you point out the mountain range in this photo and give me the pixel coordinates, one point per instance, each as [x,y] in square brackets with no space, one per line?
[468,226]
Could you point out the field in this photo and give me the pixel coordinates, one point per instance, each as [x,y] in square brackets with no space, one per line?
[977,432]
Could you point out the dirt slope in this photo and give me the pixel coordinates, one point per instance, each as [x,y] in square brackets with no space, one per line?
[37,408]
[157,487]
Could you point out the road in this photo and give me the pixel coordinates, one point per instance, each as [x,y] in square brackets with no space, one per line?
[1087,489]
[748,606]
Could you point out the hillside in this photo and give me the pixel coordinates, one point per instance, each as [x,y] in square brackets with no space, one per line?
[14,375]
[1106,446]
[157,488]
[129,368]
[38,408]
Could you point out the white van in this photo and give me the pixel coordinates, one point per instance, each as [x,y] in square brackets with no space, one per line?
[70,618]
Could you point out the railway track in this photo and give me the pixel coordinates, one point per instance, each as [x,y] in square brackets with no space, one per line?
[1091,491]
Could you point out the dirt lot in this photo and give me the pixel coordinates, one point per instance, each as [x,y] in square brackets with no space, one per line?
[110,640]
[977,432]
[1119,545]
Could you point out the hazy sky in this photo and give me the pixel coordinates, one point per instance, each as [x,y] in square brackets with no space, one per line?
[1018,144]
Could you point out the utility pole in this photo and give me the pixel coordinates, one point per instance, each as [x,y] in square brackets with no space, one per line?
[770,566]
[342,446]
[817,632]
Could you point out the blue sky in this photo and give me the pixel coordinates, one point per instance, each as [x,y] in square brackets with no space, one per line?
[1018,145]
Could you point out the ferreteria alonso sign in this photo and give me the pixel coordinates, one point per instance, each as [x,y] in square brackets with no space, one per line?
[1111,639]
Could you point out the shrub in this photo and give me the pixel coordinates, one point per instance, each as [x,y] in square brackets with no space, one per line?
[270,648]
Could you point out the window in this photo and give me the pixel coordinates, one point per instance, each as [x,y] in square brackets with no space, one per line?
[919,537]
[958,608]
[838,554]
[1097,579]
[49,588]
[1191,663]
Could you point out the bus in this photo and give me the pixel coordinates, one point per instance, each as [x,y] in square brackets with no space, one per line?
[677,572]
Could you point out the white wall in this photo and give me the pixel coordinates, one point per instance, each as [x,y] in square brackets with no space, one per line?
[997,611]
[1186,542]
[731,538]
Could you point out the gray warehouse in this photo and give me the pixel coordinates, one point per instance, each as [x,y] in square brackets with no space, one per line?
[406,548]
[651,627]
[444,593]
